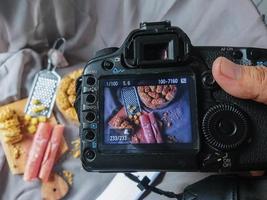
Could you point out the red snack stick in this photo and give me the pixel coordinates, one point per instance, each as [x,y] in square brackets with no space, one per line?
[51,152]
[37,151]
[147,130]
[155,127]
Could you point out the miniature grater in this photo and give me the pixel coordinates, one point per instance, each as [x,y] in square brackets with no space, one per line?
[130,100]
[43,92]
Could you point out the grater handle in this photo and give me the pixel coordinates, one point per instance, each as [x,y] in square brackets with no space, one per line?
[58,45]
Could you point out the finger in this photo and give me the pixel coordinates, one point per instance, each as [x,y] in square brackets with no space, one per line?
[244,82]
[256,173]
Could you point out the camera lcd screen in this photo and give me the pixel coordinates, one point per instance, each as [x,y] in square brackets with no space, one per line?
[147,111]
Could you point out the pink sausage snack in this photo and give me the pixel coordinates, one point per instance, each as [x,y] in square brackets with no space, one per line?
[155,127]
[147,129]
[51,152]
[37,151]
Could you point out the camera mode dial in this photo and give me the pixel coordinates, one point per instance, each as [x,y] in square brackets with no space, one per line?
[225,127]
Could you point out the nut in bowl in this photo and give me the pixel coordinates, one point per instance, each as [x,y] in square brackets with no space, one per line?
[156,96]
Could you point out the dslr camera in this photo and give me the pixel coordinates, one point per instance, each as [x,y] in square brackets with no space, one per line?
[153,104]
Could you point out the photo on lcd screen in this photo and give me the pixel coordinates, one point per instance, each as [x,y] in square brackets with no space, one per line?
[147,111]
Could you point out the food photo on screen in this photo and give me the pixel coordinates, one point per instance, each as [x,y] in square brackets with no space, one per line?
[154,111]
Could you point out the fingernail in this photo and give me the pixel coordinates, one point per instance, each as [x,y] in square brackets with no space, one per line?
[230,69]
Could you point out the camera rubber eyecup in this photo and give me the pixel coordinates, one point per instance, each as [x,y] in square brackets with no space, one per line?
[225,127]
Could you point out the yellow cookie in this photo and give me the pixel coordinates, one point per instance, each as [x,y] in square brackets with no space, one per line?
[72,99]
[31,129]
[13,140]
[34,121]
[64,84]
[42,119]
[6,114]
[11,132]
[71,113]
[71,89]
[9,123]
[62,101]
[76,74]
[66,95]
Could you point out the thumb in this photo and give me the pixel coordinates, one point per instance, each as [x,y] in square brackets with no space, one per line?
[244,82]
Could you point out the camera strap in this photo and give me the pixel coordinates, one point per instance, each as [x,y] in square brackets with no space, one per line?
[144,185]
[214,187]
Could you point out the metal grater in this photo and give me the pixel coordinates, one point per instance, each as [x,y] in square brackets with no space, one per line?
[44,88]
[130,100]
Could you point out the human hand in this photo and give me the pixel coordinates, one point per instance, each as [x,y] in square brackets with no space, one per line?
[244,82]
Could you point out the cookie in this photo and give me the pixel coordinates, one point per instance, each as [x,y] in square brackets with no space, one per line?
[66,95]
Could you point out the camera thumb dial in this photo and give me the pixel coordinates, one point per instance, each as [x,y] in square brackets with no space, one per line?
[225,127]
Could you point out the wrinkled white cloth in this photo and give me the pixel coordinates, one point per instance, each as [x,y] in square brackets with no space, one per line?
[29,28]
[17,70]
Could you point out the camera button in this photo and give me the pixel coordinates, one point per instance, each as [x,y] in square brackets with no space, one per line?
[91,116]
[107,65]
[91,80]
[89,155]
[207,80]
[227,127]
[89,135]
[91,98]
[237,55]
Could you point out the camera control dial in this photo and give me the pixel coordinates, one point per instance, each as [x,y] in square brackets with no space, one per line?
[225,127]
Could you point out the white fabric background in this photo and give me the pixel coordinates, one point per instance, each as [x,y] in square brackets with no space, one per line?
[28,28]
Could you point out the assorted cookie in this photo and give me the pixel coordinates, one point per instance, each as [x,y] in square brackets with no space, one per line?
[10,126]
[66,95]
